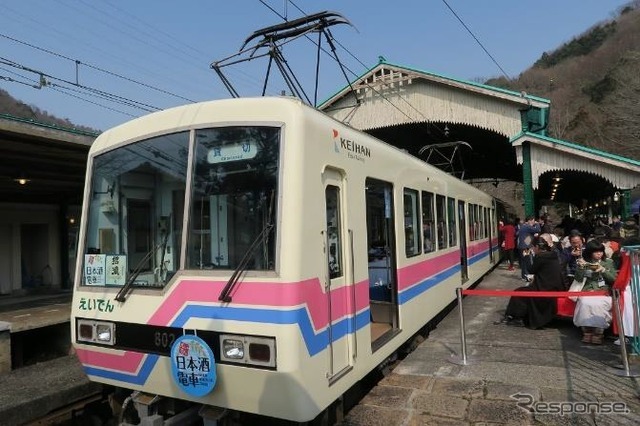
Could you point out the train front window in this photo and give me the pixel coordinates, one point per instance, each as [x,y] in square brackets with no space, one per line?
[134,225]
[232,218]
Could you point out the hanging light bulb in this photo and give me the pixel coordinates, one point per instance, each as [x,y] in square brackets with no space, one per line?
[22,179]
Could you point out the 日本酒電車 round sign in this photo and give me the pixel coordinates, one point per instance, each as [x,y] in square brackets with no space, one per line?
[193,365]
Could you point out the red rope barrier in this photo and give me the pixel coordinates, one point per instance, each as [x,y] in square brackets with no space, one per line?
[550,294]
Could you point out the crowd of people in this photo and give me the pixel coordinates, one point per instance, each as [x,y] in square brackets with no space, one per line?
[573,256]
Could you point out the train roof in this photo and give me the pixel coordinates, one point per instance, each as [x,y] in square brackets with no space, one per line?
[200,114]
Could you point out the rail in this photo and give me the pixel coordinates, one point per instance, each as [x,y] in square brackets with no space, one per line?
[73,412]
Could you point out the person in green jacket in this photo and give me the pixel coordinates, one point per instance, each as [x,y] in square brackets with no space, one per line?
[593,313]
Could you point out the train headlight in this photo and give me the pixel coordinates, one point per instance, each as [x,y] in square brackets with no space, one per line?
[98,332]
[104,333]
[261,350]
[233,349]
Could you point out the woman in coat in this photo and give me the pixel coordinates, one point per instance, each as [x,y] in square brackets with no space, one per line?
[593,313]
[508,234]
[536,312]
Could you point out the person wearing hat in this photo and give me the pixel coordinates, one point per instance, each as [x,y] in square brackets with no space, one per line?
[593,313]
[571,254]
[525,234]
[629,228]
[536,312]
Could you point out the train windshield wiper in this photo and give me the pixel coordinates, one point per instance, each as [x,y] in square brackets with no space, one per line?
[225,294]
[122,294]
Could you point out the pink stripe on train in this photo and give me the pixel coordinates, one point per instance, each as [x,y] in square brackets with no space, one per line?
[280,295]
[127,362]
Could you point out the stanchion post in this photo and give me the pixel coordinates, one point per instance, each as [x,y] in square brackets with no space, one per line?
[627,372]
[464,360]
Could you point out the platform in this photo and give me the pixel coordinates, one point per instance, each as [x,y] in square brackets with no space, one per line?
[33,328]
[28,393]
[37,317]
[549,366]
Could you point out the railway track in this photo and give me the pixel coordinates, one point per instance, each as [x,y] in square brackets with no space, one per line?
[90,410]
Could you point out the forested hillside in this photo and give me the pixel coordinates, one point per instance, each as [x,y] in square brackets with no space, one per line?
[11,106]
[593,82]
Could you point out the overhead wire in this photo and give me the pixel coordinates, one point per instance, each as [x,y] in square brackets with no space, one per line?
[335,41]
[412,119]
[87,90]
[105,95]
[57,89]
[114,34]
[37,85]
[476,39]
[136,104]
[170,45]
[88,65]
[79,63]
[54,32]
[177,44]
[170,38]
[85,44]
[493,59]
[29,81]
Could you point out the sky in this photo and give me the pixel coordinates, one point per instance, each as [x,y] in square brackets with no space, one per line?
[106,62]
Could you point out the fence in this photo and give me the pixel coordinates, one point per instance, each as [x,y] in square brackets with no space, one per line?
[634,255]
[633,306]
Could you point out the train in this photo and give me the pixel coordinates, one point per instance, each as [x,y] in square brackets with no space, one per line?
[256,256]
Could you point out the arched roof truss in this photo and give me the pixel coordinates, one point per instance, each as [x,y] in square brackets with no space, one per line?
[549,154]
[389,95]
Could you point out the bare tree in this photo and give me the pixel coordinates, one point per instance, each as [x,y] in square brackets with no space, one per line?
[621,110]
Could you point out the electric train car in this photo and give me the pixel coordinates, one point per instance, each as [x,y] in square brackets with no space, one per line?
[254,255]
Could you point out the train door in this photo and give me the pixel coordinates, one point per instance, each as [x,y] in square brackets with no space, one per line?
[383,295]
[462,226]
[490,221]
[339,288]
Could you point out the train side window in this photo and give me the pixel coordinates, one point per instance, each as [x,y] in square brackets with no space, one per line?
[483,227]
[441,218]
[428,219]
[476,218]
[487,221]
[334,234]
[412,234]
[453,235]
[470,214]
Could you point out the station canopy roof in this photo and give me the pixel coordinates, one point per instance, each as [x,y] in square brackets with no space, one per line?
[41,164]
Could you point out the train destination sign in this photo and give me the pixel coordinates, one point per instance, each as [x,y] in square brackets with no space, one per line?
[245,150]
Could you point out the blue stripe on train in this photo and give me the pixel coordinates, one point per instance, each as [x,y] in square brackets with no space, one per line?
[315,343]
[425,285]
[478,256]
[138,379]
